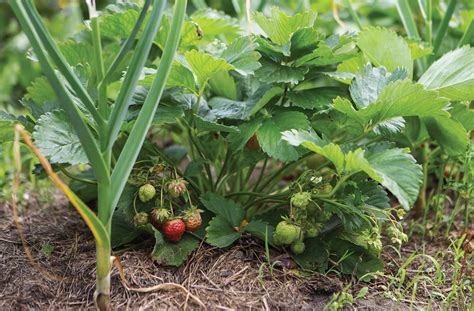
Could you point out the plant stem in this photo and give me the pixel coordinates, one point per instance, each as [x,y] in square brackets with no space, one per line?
[442,29]
[353,13]
[406,15]
[468,34]
[99,66]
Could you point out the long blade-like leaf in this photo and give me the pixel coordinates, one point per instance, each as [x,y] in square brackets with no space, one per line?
[127,46]
[130,81]
[134,142]
[97,228]
[59,60]
[75,116]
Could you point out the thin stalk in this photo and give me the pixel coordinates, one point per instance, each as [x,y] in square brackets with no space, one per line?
[443,27]
[74,114]
[53,51]
[406,15]
[74,177]
[429,22]
[353,13]
[468,34]
[137,136]
[119,111]
[100,69]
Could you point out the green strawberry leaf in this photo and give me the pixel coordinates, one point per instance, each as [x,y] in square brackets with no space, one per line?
[279,27]
[204,65]
[384,47]
[269,134]
[246,131]
[242,55]
[319,98]
[214,23]
[220,232]
[173,254]
[259,229]
[315,257]
[204,124]
[272,72]
[222,84]
[224,108]
[452,75]
[401,98]
[118,25]
[400,173]
[333,50]
[56,139]
[226,208]
[366,88]
[449,133]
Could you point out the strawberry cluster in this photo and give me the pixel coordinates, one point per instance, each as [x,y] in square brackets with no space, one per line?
[172,212]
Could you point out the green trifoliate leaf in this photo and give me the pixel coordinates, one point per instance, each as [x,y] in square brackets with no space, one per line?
[207,124]
[279,27]
[56,139]
[318,98]
[397,99]
[118,25]
[449,133]
[204,65]
[40,91]
[179,76]
[77,52]
[173,254]
[246,131]
[462,113]
[402,176]
[452,75]
[384,47]
[269,134]
[304,41]
[376,197]
[189,38]
[366,87]
[333,50]
[220,232]
[242,55]
[225,208]
[272,72]
[224,108]
[222,84]
[214,23]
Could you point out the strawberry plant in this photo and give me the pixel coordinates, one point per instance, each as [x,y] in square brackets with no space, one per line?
[306,140]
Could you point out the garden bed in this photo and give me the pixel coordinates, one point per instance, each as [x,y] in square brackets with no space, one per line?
[237,278]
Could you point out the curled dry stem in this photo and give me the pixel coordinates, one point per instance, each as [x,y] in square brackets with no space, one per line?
[16,219]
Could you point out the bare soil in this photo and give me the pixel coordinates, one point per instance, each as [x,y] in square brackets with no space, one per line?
[222,279]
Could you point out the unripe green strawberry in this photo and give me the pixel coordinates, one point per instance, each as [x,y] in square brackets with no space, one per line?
[314,230]
[192,219]
[140,219]
[174,229]
[297,247]
[301,199]
[286,233]
[177,187]
[326,188]
[146,192]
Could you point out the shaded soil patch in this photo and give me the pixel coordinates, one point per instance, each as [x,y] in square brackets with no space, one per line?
[236,278]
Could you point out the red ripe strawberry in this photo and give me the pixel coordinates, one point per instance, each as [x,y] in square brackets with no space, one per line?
[193,219]
[173,229]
